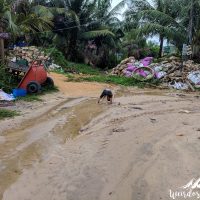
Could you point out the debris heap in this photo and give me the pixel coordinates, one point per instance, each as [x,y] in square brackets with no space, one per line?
[120,69]
[171,71]
[31,54]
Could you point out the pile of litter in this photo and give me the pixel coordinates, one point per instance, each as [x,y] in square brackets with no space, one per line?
[6,97]
[28,53]
[31,54]
[171,72]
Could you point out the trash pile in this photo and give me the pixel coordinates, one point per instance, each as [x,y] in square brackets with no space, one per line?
[31,54]
[28,53]
[170,72]
[6,97]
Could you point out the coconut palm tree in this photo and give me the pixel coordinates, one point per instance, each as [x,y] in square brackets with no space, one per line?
[158,18]
[32,18]
[188,16]
[105,30]
[83,20]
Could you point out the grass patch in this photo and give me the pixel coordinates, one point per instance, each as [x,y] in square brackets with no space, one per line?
[81,68]
[37,97]
[115,80]
[4,113]
[49,90]
[29,98]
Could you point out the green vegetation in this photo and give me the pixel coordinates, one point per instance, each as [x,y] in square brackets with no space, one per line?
[7,80]
[81,68]
[4,113]
[91,32]
[29,98]
[37,97]
[114,80]
[57,56]
[47,90]
[81,30]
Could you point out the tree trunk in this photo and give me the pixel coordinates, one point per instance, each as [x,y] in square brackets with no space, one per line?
[191,23]
[196,52]
[161,46]
[1,47]
[72,48]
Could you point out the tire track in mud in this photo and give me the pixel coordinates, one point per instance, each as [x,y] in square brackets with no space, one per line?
[22,148]
[141,112]
[149,156]
[34,139]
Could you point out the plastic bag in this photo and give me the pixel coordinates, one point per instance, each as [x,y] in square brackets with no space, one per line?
[131,68]
[179,86]
[146,61]
[6,97]
[128,74]
[194,77]
[160,74]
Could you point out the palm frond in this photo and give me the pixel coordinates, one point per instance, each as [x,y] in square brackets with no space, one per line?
[12,26]
[138,5]
[158,16]
[43,12]
[151,29]
[97,33]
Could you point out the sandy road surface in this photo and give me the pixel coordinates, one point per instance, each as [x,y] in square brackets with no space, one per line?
[139,148]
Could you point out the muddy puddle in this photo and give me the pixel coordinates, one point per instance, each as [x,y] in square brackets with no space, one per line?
[32,141]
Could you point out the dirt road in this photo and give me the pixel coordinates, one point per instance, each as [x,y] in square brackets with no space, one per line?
[139,148]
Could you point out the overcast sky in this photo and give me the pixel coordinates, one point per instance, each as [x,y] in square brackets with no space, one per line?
[115,2]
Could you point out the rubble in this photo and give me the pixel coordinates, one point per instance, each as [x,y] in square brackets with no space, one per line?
[171,71]
[31,54]
[28,53]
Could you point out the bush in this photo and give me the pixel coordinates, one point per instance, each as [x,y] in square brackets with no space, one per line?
[81,68]
[57,56]
[7,80]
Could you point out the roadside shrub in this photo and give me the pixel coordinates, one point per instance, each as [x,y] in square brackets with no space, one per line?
[7,80]
[57,56]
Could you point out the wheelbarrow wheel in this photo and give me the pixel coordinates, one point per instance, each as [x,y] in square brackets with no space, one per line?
[49,82]
[33,87]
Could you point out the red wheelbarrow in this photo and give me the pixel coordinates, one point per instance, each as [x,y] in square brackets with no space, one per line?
[33,76]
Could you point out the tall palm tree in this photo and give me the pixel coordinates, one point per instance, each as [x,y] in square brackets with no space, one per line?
[70,17]
[32,18]
[104,29]
[189,13]
[83,20]
[189,17]
[158,18]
